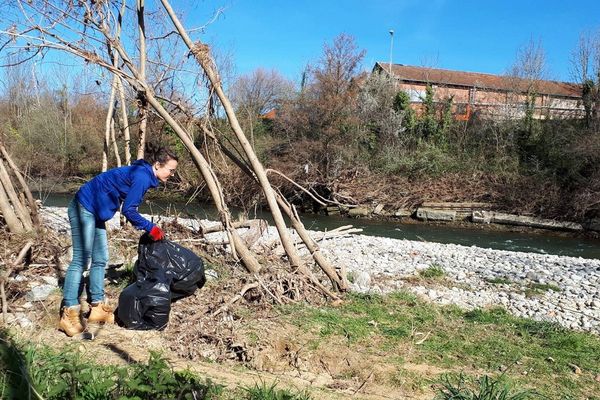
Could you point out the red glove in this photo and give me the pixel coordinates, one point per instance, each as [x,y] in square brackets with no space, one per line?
[156,233]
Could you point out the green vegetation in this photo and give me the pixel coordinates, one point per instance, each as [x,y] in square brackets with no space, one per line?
[50,374]
[533,354]
[544,287]
[271,392]
[537,289]
[483,388]
[499,281]
[67,375]
[433,272]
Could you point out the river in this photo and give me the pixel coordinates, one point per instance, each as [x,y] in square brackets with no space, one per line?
[501,240]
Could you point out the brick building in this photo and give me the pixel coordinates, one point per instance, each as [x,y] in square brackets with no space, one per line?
[491,96]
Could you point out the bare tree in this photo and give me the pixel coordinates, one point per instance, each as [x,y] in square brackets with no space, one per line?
[585,62]
[257,93]
[324,111]
[524,77]
[260,91]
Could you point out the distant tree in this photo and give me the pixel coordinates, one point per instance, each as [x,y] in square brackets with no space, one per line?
[260,91]
[428,123]
[528,69]
[402,104]
[381,121]
[257,93]
[335,90]
[585,61]
[530,63]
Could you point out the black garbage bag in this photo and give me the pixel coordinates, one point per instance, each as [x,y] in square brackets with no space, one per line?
[164,271]
[145,305]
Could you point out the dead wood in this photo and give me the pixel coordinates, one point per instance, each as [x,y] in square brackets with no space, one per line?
[339,280]
[18,206]
[114,141]
[240,224]
[8,213]
[33,209]
[236,298]
[321,236]
[107,125]
[209,176]
[7,273]
[124,122]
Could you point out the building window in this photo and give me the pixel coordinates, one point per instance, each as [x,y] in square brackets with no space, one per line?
[472,92]
[416,96]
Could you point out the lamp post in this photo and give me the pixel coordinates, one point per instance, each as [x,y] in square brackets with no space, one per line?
[391,48]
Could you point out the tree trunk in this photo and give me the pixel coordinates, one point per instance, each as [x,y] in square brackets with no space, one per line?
[339,281]
[142,101]
[107,124]
[124,122]
[114,141]
[6,274]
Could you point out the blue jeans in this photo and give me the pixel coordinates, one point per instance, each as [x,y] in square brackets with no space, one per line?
[89,240]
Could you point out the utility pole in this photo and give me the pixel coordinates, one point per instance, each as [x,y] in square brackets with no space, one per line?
[391,49]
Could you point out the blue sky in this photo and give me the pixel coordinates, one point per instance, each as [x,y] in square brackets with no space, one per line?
[469,35]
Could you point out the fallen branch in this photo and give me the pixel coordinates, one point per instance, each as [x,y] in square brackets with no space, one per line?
[298,186]
[219,227]
[319,236]
[5,276]
[236,298]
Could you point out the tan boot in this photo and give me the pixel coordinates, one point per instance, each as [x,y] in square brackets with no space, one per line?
[101,313]
[70,323]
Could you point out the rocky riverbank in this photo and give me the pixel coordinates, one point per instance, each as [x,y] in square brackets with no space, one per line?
[565,290]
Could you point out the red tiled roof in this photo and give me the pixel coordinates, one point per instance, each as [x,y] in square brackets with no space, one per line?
[436,76]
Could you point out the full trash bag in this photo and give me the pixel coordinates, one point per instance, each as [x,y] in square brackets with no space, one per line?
[165,272]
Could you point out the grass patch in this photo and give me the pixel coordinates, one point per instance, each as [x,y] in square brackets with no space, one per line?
[363,316]
[434,271]
[499,281]
[27,369]
[486,387]
[271,392]
[537,289]
[534,354]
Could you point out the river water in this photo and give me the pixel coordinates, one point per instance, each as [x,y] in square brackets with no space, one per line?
[501,240]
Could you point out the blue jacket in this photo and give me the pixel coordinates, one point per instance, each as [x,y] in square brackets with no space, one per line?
[103,195]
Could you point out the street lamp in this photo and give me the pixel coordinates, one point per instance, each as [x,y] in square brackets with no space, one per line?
[391,48]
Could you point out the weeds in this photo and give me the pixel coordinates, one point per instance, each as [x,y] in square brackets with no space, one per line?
[67,375]
[483,388]
[270,392]
[536,289]
[448,337]
[499,281]
[434,271]
[28,369]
